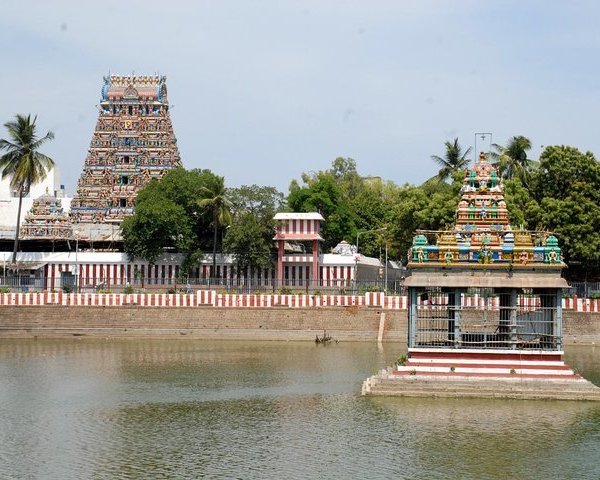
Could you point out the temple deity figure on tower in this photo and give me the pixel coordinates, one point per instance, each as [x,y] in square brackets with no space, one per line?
[128,105]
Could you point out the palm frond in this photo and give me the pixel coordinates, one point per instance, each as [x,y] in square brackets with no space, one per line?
[439,160]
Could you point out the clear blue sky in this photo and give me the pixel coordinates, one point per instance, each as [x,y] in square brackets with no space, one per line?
[264,90]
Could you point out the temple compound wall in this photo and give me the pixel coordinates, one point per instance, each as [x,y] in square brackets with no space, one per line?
[183,316]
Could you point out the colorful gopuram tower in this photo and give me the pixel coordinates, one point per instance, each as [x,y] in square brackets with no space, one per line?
[484,308]
[46,220]
[482,234]
[133,143]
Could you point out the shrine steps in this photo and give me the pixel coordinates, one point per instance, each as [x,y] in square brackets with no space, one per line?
[482,374]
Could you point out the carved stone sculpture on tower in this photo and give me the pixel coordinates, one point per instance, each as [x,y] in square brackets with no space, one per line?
[133,110]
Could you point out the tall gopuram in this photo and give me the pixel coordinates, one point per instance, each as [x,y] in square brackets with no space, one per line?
[484,308]
[133,143]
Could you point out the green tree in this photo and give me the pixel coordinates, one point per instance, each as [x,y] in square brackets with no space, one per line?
[23,162]
[371,207]
[512,161]
[523,209]
[158,224]
[427,207]
[263,202]
[216,202]
[323,194]
[250,235]
[250,242]
[167,217]
[567,189]
[454,159]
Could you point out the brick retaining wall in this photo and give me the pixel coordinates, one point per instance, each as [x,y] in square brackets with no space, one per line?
[271,323]
[343,323]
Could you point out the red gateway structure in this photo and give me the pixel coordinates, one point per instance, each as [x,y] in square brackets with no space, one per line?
[303,229]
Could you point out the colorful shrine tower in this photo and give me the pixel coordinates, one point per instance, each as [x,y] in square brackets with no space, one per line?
[46,220]
[133,143]
[482,235]
[484,308]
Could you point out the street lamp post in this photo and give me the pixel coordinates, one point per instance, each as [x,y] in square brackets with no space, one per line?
[358,234]
[76,232]
[223,279]
[386,267]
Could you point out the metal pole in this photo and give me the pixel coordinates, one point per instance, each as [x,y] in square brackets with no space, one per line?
[386,269]
[76,261]
[357,254]
[483,136]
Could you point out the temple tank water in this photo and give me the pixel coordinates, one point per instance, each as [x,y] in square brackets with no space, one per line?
[183,408]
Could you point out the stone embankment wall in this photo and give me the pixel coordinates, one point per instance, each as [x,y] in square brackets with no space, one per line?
[343,323]
[207,314]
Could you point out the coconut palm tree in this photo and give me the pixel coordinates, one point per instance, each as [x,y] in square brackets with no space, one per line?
[511,160]
[22,162]
[454,159]
[220,206]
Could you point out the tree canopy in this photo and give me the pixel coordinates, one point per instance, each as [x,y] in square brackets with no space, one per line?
[512,161]
[218,205]
[567,188]
[324,193]
[250,235]
[169,217]
[381,211]
[178,213]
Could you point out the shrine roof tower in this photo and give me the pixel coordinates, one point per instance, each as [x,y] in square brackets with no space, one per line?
[483,240]
[133,142]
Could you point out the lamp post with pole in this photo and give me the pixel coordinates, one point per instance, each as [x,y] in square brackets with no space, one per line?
[76,232]
[386,267]
[222,275]
[358,234]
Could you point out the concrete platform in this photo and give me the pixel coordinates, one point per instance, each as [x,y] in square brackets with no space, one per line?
[490,374]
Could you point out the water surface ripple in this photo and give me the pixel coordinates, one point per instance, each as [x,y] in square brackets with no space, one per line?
[184,409]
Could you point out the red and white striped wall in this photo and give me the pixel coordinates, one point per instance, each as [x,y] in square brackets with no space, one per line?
[447,364]
[213,299]
[299,301]
[337,276]
[297,226]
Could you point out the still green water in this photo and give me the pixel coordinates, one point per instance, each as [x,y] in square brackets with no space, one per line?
[182,408]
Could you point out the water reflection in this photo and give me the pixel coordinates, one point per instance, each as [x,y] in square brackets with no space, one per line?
[190,409]
[484,438]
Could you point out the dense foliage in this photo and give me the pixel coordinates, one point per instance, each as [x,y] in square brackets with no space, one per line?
[168,216]
[250,235]
[567,189]
[560,193]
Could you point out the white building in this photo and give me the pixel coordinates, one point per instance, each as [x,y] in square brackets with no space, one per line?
[9,200]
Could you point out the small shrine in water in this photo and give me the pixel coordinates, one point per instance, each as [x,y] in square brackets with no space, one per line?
[484,307]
